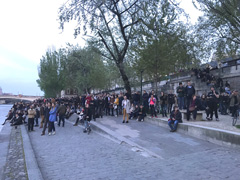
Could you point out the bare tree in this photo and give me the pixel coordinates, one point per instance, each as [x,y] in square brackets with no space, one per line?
[110,23]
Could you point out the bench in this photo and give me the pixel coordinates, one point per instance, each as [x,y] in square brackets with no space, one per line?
[198,118]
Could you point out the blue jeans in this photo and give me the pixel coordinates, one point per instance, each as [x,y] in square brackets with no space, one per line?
[164,110]
[175,124]
[180,102]
[86,124]
[61,118]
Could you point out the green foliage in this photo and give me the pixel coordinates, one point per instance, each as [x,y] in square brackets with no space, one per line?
[220,26]
[163,45]
[51,74]
[85,69]
[72,67]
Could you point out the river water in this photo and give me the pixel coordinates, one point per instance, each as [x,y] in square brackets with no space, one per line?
[4,108]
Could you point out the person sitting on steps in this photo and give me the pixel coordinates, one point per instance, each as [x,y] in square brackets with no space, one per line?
[141,113]
[175,118]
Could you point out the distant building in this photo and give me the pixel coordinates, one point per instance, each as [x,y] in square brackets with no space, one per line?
[69,92]
[1,93]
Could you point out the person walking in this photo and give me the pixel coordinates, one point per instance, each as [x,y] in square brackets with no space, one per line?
[126,108]
[52,119]
[31,115]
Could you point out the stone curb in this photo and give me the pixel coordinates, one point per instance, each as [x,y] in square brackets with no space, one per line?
[33,170]
[213,135]
[4,143]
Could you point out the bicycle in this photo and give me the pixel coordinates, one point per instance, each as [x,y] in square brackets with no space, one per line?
[235,117]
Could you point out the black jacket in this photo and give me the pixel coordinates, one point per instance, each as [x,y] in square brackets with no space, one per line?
[141,111]
[189,91]
[177,116]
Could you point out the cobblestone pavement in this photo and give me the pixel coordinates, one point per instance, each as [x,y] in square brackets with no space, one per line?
[71,154]
[15,167]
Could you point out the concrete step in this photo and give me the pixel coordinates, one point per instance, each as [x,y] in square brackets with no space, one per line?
[214,135]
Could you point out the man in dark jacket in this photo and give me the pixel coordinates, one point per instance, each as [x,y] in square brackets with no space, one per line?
[136,98]
[46,117]
[141,113]
[100,106]
[61,112]
[145,98]
[180,92]
[92,106]
[213,98]
[175,118]
[189,91]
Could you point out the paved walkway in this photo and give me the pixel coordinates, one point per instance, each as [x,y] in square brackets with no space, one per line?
[71,154]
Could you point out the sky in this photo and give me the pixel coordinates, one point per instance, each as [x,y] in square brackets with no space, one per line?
[28,29]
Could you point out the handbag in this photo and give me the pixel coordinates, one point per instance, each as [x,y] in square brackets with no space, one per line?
[192,108]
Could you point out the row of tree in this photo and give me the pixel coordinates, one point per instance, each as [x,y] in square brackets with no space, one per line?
[127,37]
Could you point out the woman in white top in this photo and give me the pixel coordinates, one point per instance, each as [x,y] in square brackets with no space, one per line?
[126,108]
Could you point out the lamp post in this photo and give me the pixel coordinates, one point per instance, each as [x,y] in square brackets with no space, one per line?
[141,85]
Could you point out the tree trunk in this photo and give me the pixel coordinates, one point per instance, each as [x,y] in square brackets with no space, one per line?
[124,77]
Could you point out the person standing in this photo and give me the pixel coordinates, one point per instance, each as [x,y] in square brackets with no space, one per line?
[193,107]
[152,103]
[37,115]
[92,106]
[42,115]
[126,108]
[163,102]
[111,103]
[189,91]
[213,97]
[87,118]
[31,115]
[171,101]
[106,104]
[120,103]
[46,118]
[52,119]
[116,104]
[61,112]
[234,102]
[145,97]
[100,106]
[180,92]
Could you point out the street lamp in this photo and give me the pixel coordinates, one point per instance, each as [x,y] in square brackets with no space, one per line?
[141,84]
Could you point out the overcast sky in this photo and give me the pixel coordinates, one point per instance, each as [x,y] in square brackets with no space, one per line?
[28,29]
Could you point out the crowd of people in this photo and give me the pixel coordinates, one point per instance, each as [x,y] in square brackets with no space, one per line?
[130,106]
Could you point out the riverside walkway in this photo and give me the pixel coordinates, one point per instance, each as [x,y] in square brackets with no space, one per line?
[137,150]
